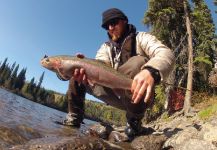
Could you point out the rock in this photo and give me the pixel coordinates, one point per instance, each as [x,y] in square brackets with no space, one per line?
[209,132]
[10,137]
[196,144]
[149,142]
[180,137]
[99,130]
[67,143]
[116,136]
[18,135]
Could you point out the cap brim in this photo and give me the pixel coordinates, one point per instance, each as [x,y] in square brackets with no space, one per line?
[106,21]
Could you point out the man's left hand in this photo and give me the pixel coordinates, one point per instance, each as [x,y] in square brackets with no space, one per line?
[142,82]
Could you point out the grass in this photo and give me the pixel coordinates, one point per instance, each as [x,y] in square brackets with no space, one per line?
[208,112]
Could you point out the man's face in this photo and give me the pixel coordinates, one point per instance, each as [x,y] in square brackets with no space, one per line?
[116,28]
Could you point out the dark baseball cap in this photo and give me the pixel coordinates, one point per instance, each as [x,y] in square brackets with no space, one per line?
[110,14]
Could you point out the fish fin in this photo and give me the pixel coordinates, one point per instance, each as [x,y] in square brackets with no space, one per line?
[79,55]
[61,77]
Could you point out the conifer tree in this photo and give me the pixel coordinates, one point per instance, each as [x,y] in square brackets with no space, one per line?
[5,74]
[39,83]
[20,80]
[12,67]
[203,31]
[13,77]
[31,86]
[3,65]
[9,81]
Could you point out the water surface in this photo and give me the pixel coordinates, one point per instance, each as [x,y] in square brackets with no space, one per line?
[22,120]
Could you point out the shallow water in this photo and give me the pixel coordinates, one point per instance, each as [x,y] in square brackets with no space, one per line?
[22,120]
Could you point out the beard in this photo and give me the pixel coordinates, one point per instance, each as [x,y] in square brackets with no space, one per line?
[114,38]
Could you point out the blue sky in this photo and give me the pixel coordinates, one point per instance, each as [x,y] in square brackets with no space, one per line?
[29,29]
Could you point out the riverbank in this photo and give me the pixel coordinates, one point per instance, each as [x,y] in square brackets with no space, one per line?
[31,126]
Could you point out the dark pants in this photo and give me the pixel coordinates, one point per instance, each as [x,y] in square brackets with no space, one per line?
[123,101]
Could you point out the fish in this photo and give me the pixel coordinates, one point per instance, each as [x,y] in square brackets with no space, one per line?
[97,72]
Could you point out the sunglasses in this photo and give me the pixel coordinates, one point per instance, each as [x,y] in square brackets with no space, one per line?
[112,22]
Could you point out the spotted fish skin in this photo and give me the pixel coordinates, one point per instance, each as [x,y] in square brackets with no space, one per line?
[96,71]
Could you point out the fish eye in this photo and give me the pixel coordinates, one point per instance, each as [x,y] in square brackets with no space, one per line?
[47,60]
[45,56]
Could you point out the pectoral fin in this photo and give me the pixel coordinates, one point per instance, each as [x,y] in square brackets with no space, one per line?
[61,77]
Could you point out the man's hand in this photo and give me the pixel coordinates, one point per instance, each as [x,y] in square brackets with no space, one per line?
[142,82]
[79,74]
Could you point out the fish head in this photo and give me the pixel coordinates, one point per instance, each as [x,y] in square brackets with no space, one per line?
[56,64]
[51,63]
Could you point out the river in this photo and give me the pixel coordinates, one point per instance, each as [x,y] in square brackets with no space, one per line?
[22,120]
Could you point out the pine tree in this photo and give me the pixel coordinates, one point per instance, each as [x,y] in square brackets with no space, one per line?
[13,77]
[3,65]
[8,82]
[12,67]
[203,32]
[31,86]
[39,83]
[20,80]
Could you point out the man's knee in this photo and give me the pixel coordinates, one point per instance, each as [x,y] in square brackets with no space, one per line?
[133,66]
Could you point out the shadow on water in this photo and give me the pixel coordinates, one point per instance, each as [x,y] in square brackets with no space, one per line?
[22,120]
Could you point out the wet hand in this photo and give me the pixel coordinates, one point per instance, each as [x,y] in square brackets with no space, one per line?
[79,76]
[142,82]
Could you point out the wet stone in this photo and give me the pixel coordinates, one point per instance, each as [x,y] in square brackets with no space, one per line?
[100,131]
[67,143]
[149,142]
[116,136]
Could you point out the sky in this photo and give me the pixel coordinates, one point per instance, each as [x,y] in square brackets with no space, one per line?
[30,29]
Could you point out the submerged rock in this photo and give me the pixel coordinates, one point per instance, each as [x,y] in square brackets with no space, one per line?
[68,143]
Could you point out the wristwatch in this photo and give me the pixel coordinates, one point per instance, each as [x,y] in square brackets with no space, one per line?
[154,73]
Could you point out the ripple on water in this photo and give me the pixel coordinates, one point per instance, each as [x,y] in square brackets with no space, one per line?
[22,120]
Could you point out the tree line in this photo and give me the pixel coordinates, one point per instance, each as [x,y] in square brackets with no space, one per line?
[15,81]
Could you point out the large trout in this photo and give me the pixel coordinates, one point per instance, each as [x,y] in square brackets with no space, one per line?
[97,72]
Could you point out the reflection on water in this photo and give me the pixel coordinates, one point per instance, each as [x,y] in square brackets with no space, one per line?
[22,120]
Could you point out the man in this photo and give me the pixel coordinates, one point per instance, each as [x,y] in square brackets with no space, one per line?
[137,54]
